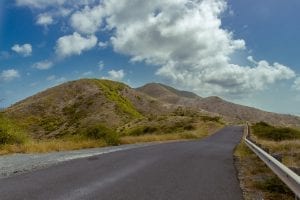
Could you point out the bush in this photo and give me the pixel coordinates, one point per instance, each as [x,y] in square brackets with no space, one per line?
[102,132]
[210,119]
[142,130]
[10,133]
[266,131]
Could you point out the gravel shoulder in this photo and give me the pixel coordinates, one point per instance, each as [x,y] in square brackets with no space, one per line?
[21,163]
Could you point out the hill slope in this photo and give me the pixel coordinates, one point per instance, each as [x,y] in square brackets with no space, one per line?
[72,106]
[216,105]
[169,95]
[75,107]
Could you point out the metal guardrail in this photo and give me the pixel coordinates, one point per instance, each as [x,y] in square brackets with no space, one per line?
[290,178]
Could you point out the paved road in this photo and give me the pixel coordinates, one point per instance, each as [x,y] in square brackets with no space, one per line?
[182,170]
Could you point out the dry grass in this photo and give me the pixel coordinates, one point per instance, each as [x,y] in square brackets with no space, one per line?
[202,130]
[256,179]
[150,138]
[289,150]
[51,146]
[78,142]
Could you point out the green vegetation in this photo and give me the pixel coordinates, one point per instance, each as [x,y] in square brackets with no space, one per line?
[102,132]
[142,130]
[74,113]
[206,118]
[164,128]
[265,131]
[10,133]
[112,90]
[181,111]
[51,123]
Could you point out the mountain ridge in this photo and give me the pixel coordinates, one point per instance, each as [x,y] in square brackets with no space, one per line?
[73,107]
[217,105]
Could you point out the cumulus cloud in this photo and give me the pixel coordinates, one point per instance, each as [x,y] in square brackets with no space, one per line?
[43,65]
[183,38]
[44,20]
[88,73]
[42,4]
[100,65]
[24,50]
[296,84]
[103,45]
[55,79]
[115,75]
[8,75]
[74,44]
[88,20]
[186,40]
[51,78]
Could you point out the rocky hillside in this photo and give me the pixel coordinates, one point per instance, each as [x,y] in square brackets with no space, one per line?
[77,106]
[170,95]
[73,106]
[216,105]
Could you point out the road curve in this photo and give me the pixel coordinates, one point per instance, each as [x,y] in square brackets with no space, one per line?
[201,169]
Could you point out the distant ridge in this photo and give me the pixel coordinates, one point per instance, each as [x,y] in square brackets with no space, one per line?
[217,105]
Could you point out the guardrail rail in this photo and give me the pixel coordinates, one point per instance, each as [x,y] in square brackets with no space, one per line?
[290,178]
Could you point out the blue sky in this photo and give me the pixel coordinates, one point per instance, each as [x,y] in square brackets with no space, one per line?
[244,51]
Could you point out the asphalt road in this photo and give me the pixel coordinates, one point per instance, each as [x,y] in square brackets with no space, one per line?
[191,170]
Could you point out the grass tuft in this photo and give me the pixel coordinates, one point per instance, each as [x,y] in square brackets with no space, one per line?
[265,131]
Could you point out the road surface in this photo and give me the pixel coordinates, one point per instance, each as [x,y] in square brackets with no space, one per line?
[202,169]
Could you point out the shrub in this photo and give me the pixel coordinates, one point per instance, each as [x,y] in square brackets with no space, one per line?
[210,119]
[10,133]
[266,131]
[103,132]
[142,130]
[51,123]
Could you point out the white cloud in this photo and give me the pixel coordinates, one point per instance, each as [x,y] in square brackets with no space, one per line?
[100,65]
[8,75]
[103,45]
[55,79]
[296,84]
[88,73]
[44,19]
[74,44]
[43,65]
[42,4]
[87,21]
[24,50]
[115,75]
[39,3]
[183,38]
[51,78]
[60,80]
[251,60]
[186,40]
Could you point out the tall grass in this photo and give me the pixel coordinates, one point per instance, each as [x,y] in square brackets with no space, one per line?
[10,133]
[256,179]
[52,145]
[265,131]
